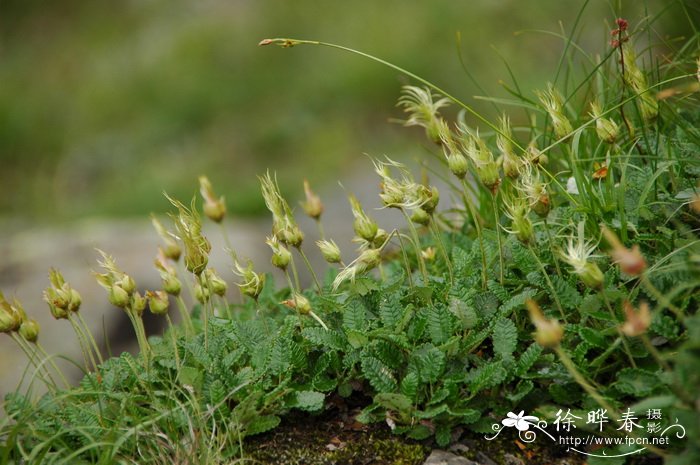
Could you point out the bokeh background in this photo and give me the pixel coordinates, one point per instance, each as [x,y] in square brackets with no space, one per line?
[106,104]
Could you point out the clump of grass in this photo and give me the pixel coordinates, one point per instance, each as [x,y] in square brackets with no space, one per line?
[585,215]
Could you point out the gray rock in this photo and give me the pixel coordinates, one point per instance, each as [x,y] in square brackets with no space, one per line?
[441,457]
[510,459]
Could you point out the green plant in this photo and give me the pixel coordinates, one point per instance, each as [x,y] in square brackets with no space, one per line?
[437,341]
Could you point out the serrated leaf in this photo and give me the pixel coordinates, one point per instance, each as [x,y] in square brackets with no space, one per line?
[465,314]
[330,339]
[395,402]
[310,401]
[439,325]
[443,435]
[390,310]
[528,358]
[592,337]
[409,385]
[355,315]
[505,338]
[428,362]
[378,374]
[262,423]
[486,376]
[636,381]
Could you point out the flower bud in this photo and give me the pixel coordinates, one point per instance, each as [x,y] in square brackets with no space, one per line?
[329,250]
[253,282]
[457,164]
[118,296]
[421,217]
[214,282]
[631,260]
[428,254]
[591,276]
[300,303]
[606,129]
[138,303]
[197,247]
[171,284]
[75,301]
[549,333]
[201,293]
[429,198]
[214,208]
[29,330]
[551,100]
[636,322]
[10,320]
[281,256]
[172,249]
[158,302]
[292,235]
[521,226]
[127,283]
[364,227]
[58,311]
[380,239]
[312,206]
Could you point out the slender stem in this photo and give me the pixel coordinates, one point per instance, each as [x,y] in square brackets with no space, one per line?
[294,272]
[477,226]
[224,233]
[406,262]
[498,234]
[317,318]
[84,346]
[311,269]
[31,355]
[53,364]
[286,42]
[291,287]
[173,336]
[185,316]
[321,232]
[441,246]
[549,281]
[91,338]
[551,246]
[655,353]
[649,286]
[416,245]
[617,327]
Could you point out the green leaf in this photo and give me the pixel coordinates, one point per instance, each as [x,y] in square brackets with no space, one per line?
[390,310]
[528,358]
[523,388]
[356,339]
[330,339]
[378,374]
[593,337]
[505,338]
[439,325]
[262,423]
[465,314]
[443,435]
[355,315]
[310,401]
[636,381]
[191,376]
[427,361]
[395,402]
[409,385]
[485,377]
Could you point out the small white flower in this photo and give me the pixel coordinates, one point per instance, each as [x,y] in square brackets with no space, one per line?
[520,421]
[571,186]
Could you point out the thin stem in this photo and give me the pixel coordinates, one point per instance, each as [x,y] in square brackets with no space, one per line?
[477,226]
[91,338]
[311,269]
[30,354]
[321,232]
[549,281]
[185,316]
[84,346]
[649,286]
[498,234]
[441,246]
[294,272]
[286,42]
[317,318]
[619,331]
[173,336]
[416,245]
[551,246]
[49,358]
[291,287]
[406,262]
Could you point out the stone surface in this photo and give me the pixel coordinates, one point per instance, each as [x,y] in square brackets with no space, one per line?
[441,457]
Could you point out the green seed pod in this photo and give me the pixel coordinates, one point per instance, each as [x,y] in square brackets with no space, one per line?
[330,251]
[158,302]
[214,282]
[458,164]
[29,330]
[75,301]
[8,319]
[118,296]
[421,217]
[592,276]
[171,284]
[127,283]
[201,293]
[138,303]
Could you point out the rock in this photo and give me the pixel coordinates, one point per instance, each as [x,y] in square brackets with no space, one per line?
[510,459]
[441,457]
[484,459]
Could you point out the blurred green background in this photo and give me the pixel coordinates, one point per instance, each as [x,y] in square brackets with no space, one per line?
[105,104]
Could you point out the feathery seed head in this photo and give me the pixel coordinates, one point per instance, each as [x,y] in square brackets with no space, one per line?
[423,110]
[214,207]
[551,100]
[329,250]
